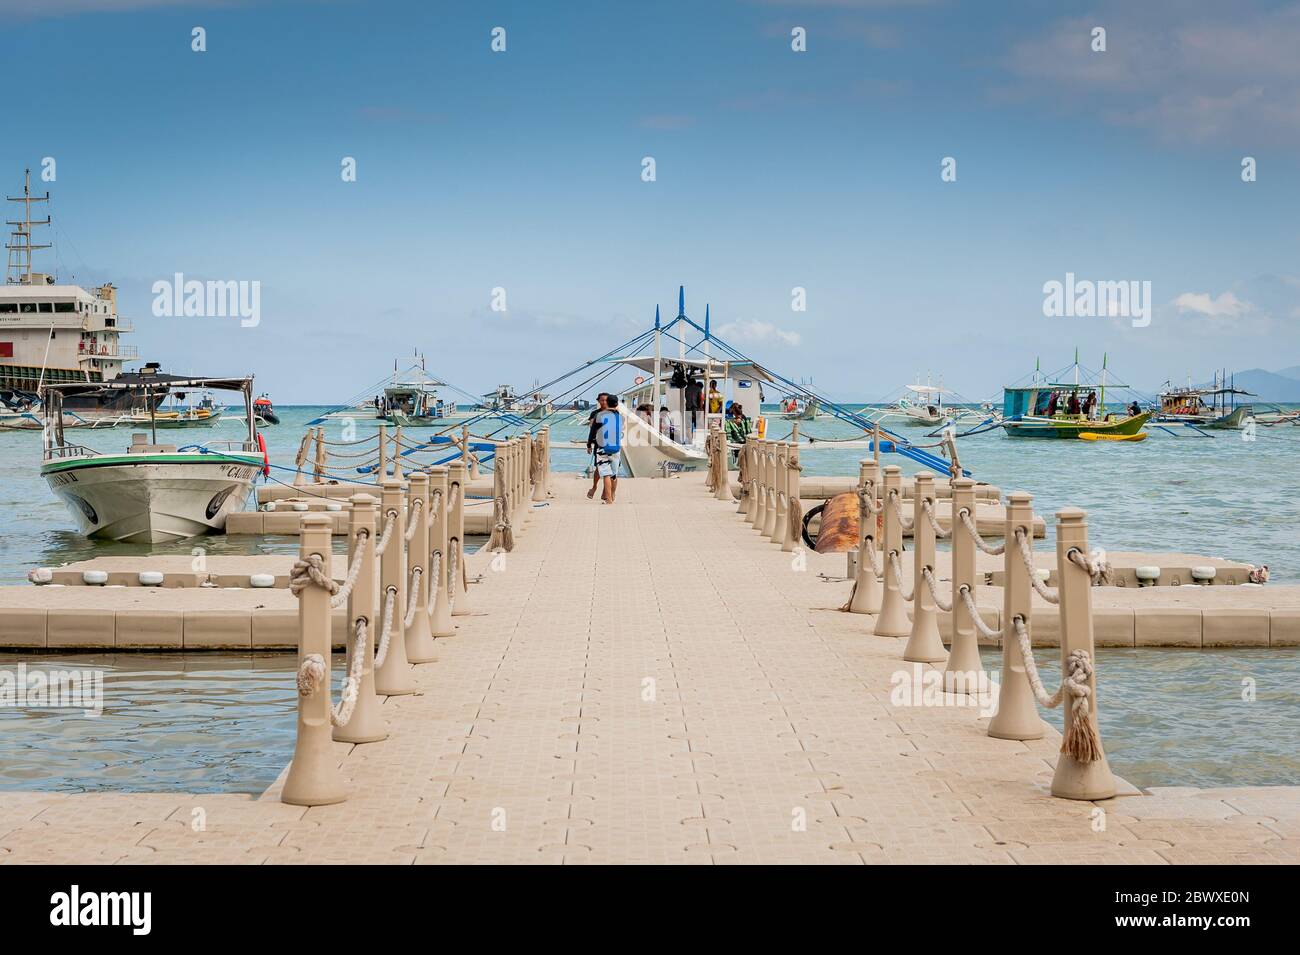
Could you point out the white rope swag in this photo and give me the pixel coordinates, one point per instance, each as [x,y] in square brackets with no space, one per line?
[968,522]
[898,575]
[896,504]
[927,508]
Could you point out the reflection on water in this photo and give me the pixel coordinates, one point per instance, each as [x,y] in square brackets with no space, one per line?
[1186,717]
[171,722]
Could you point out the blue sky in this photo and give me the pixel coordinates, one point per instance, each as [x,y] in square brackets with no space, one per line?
[775,169]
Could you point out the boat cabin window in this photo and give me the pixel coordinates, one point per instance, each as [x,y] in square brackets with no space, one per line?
[8,308]
[65,306]
[27,307]
[47,306]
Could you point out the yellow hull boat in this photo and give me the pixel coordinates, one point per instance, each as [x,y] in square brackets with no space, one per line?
[1096,436]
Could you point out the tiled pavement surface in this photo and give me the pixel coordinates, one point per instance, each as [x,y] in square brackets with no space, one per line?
[653,682]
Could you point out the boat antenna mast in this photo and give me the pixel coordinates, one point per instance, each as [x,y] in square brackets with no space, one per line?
[20,246]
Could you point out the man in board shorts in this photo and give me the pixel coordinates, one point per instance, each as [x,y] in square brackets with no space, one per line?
[593,429]
[607,439]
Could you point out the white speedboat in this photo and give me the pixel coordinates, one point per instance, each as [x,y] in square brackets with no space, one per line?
[150,493]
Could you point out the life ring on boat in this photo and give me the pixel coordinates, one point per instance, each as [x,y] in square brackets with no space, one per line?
[761,427]
[266,458]
[639,380]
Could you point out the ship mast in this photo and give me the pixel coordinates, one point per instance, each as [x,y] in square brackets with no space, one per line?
[20,245]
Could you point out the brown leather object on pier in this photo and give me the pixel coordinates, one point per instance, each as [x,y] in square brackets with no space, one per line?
[838,533]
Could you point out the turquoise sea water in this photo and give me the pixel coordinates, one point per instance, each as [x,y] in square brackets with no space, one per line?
[1170,717]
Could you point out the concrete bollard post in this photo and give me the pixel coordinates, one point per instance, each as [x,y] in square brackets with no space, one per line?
[892,621]
[524,467]
[749,500]
[397,452]
[777,512]
[965,671]
[393,677]
[1073,779]
[1017,716]
[924,645]
[468,457]
[366,724]
[419,635]
[543,452]
[318,469]
[383,459]
[723,491]
[440,612]
[457,578]
[760,488]
[314,778]
[792,539]
[300,461]
[866,586]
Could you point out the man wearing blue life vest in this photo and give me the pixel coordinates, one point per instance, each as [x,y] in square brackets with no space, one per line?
[607,440]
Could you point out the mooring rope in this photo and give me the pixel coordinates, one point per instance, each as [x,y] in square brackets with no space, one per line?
[868,502]
[1096,564]
[927,508]
[1027,556]
[928,576]
[349,444]
[895,503]
[994,549]
[310,570]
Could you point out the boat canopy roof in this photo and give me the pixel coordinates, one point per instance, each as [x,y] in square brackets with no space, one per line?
[1204,392]
[751,369]
[148,382]
[927,390]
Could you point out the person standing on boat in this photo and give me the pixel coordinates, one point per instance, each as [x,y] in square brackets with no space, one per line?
[715,398]
[592,433]
[694,401]
[666,423]
[738,427]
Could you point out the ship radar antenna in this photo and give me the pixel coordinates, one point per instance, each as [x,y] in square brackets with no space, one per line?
[20,246]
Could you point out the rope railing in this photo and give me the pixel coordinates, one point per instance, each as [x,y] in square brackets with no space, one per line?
[386,630]
[390,522]
[895,502]
[1027,556]
[413,518]
[928,576]
[927,508]
[968,521]
[412,597]
[897,568]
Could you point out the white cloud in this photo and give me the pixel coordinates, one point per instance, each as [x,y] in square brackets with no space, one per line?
[752,331]
[1226,305]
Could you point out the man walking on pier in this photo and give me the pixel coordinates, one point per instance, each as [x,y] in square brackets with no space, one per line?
[593,429]
[607,438]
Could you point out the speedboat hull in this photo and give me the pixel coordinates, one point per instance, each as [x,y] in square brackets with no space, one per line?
[151,498]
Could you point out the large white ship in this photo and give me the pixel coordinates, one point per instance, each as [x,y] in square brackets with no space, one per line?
[53,333]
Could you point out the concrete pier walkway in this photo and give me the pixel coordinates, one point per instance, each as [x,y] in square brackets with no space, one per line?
[652,682]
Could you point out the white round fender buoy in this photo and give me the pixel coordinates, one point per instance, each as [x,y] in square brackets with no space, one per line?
[269,506]
[151,578]
[333,506]
[261,580]
[96,578]
[301,506]
[1203,574]
[1147,574]
[1042,573]
[40,575]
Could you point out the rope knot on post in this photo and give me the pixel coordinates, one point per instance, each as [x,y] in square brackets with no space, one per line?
[308,571]
[311,674]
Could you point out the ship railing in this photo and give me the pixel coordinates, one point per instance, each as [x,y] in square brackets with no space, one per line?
[69,451]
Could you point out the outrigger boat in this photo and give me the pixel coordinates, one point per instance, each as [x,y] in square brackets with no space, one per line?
[1189,405]
[407,397]
[153,492]
[1065,409]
